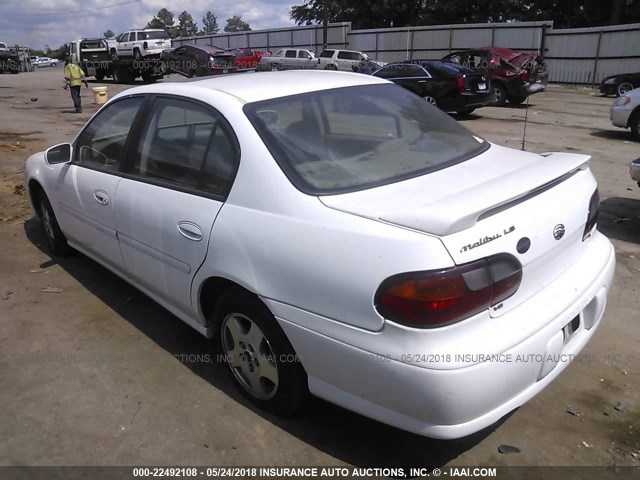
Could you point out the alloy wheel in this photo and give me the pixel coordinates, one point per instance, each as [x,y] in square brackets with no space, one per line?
[250,356]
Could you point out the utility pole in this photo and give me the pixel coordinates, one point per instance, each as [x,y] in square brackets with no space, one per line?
[325,22]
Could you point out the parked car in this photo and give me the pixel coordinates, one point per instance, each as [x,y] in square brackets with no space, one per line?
[514,75]
[634,170]
[144,43]
[346,60]
[198,60]
[450,87]
[44,62]
[338,236]
[290,59]
[619,84]
[3,47]
[247,58]
[625,112]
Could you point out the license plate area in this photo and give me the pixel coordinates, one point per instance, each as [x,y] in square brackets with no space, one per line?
[570,328]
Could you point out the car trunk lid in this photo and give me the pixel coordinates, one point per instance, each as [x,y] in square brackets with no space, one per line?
[499,202]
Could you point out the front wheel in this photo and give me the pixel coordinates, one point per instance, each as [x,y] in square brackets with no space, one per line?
[261,359]
[430,100]
[56,240]
[623,88]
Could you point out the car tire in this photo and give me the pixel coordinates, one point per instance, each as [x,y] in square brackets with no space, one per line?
[137,56]
[430,100]
[622,88]
[261,360]
[517,99]
[56,240]
[114,54]
[634,125]
[500,94]
[331,67]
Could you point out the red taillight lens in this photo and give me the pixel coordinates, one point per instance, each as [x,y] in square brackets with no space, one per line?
[441,297]
[592,216]
[524,75]
[460,84]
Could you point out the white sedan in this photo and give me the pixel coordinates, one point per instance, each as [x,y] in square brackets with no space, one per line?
[625,112]
[338,236]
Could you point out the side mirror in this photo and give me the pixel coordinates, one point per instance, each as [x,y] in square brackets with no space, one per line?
[58,154]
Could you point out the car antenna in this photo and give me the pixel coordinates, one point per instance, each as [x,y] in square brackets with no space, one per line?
[533,40]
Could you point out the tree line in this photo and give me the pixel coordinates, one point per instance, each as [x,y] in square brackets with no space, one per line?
[404,13]
[187,27]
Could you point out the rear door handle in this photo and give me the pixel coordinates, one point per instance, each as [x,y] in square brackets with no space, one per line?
[190,231]
[101,197]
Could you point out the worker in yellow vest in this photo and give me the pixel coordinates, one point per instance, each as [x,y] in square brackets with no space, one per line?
[74,76]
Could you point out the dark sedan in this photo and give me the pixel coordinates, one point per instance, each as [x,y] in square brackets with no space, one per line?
[452,88]
[198,60]
[620,84]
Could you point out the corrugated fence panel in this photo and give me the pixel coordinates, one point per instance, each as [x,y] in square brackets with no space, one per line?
[608,67]
[469,38]
[572,46]
[570,71]
[394,41]
[431,39]
[526,39]
[619,44]
[365,42]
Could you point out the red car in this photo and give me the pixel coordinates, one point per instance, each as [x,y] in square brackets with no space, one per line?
[248,59]
[514,75]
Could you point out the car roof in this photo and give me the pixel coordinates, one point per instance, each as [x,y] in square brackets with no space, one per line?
[204,48]
[272,84]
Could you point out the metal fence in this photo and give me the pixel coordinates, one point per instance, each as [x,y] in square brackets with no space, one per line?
[579,56]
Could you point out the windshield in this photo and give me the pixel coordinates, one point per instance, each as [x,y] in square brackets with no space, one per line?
[349,139]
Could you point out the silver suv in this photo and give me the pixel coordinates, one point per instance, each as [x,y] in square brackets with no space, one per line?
[141,43]
[347,60]
[289,59]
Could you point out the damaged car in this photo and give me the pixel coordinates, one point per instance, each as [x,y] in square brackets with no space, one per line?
[514,75]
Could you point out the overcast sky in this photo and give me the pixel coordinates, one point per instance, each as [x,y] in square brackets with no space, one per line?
[36,23]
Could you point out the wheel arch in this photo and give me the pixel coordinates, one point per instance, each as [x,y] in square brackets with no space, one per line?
[36,190]
[209,293]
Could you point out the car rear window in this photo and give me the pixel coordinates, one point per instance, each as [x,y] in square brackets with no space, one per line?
[353,138]
[155,35]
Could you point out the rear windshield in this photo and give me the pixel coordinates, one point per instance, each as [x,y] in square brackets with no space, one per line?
[349,139]
[155,35]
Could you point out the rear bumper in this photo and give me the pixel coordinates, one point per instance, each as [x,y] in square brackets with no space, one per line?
[457,399]
[467,100]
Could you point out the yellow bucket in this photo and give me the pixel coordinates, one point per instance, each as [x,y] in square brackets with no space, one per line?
[100,95]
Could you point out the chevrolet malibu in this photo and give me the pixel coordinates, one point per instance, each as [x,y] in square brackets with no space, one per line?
[339,237]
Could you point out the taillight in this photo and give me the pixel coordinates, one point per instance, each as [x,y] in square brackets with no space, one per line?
[441,297]
[460,84]
[592,216]
[524,75]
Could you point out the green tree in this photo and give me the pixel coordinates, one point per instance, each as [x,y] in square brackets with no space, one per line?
[164,19]
[236,24]
[109,34]
[210,24]
[186,26]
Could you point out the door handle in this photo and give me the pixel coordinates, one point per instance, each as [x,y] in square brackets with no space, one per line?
[190,231]
[101,197]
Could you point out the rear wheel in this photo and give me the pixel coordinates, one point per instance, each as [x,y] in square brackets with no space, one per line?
[623,88]
[56,240]
[114,54]
[430,100]
[331,66]
[500,95]
[261,359]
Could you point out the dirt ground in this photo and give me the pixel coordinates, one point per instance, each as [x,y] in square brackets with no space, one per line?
[100,375]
